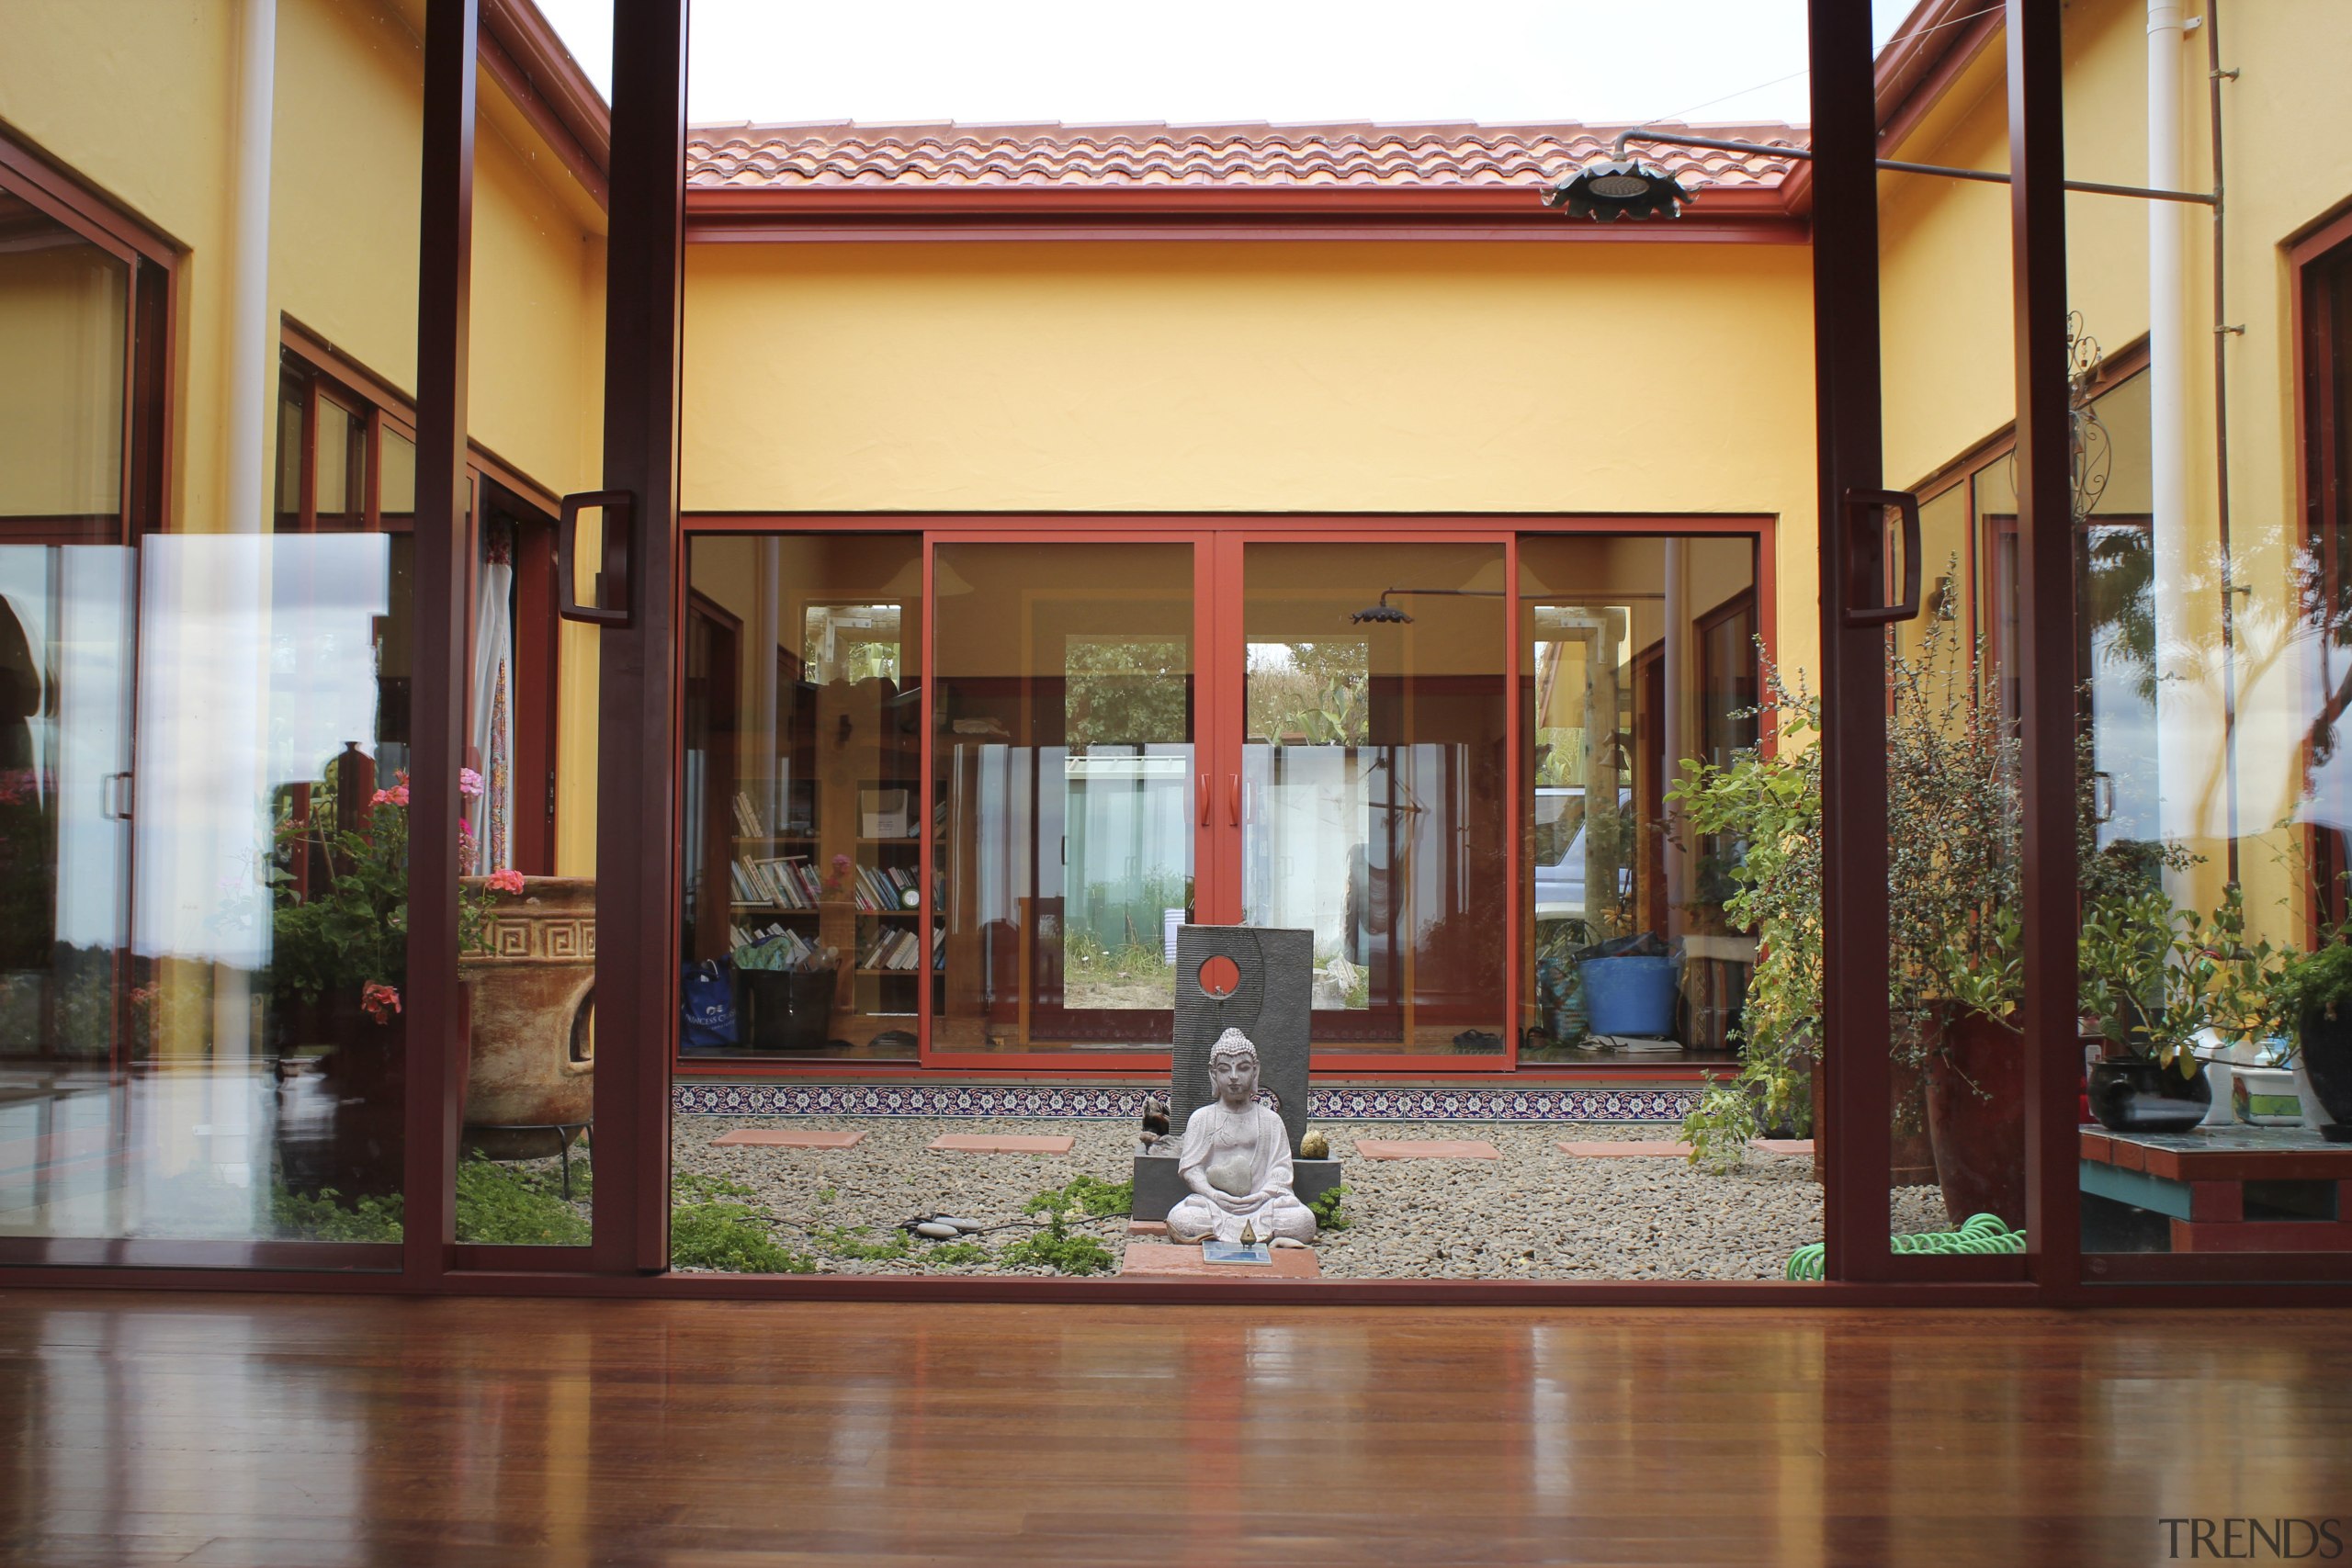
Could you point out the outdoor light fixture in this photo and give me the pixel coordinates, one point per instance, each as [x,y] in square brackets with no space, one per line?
[1385,614]
[1619,188]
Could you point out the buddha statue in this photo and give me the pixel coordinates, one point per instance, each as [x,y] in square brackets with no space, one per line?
[1237,1160]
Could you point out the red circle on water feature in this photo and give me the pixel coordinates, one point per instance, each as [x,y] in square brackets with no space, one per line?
[1220,977]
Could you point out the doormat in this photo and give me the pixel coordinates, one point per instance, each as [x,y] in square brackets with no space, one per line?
[1338,1103]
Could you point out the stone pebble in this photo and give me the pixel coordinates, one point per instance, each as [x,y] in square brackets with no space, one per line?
[1535,1214]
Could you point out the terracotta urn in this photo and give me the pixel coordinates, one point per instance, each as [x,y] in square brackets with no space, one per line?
[534,1058]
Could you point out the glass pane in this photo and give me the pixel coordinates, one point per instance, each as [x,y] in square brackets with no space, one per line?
[341,466]
[528,925]
[63,314]
[399,497]
[1373,807]
[1064,779]
[204,872]
[1637,655]
[803,813]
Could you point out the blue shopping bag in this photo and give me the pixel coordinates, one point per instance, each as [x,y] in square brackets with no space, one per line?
[707,1004]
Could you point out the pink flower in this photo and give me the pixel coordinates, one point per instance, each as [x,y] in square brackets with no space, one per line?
[396,796]
[469,784]
[506,880]
[380,1002]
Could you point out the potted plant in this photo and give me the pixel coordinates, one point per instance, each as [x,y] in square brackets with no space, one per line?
[2146,978]
[2315,989]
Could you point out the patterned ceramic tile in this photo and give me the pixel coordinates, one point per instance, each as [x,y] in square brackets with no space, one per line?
[1048,1101]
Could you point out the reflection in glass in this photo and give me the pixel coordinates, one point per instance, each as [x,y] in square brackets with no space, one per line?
[1373,807]
[1636,654]
[803,916]
[1064,771]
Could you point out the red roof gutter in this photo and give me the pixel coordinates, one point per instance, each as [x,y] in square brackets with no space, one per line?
[1735,214]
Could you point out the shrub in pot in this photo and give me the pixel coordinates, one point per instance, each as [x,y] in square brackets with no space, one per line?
[2315,991]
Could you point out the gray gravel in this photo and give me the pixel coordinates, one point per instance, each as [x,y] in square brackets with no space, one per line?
[1535,1214]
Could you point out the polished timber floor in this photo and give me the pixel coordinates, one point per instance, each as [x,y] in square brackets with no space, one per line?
[312,1431]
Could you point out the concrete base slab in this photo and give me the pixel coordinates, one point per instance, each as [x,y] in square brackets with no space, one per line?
[1165,1259]
[1000,1144]
[1620,1149]
[1427,1148]
[788,1138]
[1158,1188]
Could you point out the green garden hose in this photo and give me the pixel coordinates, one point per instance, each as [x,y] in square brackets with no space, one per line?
[1980,1233]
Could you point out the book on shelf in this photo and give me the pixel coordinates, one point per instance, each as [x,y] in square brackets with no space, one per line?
[790,882]
[747,819]
[900,949]
[887,888]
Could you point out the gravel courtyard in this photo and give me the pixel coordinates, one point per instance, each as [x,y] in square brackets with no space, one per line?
[1535,1214]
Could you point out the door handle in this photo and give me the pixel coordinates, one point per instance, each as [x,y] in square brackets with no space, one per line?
[2102,814]
[1860,608]
[617,504]
[1233,798]
[114,797]
[1203,794]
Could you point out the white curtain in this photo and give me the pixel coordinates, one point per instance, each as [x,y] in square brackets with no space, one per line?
[491,815]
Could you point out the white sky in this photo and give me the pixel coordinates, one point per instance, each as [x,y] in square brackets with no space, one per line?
[1085,61]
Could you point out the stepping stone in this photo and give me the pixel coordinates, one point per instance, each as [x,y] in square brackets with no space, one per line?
[1161,1259]
[998,1143]
[1783,1145]
[787,1138]
[1427,1148]
[1627,1151]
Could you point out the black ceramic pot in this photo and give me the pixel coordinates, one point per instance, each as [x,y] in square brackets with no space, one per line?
[2136,1095]
[2326,1053]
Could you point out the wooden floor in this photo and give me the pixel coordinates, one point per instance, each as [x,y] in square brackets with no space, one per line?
[317,1431]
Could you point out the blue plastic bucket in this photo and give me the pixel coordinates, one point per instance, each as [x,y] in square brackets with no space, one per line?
[1629,996]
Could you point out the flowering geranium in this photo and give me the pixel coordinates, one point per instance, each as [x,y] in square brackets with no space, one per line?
[506,880]
[470,783]
[341,922]
[380,1002]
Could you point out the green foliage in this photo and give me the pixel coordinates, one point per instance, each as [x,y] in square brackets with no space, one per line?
[2317,982]
[850,1242]
[1952,879]
[353,931]
[1057,1248]
[1088,1195]
[951,1254]
[514,1206]
[1310,693]
[1326,1210]
[693,1186]
[322,1216]
[729,1238]
[2154,975]
[1123,693]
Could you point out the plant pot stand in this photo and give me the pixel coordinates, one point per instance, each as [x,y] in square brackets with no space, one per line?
[2246,1189]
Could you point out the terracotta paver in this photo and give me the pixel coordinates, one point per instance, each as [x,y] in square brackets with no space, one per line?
[788,1138]
[1623,1150]
[1427,1148]
[1000,1144]
[1146,1227]
[1162,1259]
[1783,1145]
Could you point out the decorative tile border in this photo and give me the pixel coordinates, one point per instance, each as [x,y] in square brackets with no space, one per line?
[1476,1103]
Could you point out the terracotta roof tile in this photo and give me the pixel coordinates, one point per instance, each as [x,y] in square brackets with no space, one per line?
[843,154]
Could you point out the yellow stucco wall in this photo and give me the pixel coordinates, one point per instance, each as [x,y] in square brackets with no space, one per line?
[1245,376]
